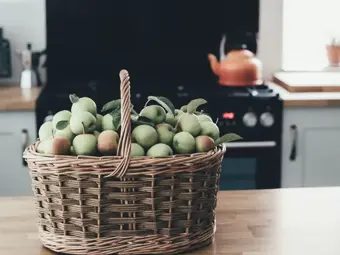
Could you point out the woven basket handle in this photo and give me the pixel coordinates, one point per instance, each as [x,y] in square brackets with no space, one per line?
[124,146]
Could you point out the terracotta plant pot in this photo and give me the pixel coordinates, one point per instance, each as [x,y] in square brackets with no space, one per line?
[333,54]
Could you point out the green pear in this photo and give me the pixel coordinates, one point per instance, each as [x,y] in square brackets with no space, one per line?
[137,150]
[165,133]
[107,123]
[85,144]
[82,122]
[210,129]
[72,152]
[145,135]
[184,143]
[58,146]
[155,113]
[189,123]
[59,116]
[204,143]
[204,117]
[99,122]
[45,131]
[160,150]
[43,145]
[184,108]
[170,119]
[108,142]
[66,132]
[178,112]
[84,104]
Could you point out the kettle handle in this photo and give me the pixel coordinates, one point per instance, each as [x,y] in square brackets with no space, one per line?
[222,47]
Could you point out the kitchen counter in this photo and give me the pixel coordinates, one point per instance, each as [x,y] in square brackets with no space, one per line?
[13,98]
[306,99]
[261,222]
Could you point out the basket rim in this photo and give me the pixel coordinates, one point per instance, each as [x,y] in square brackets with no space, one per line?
[31,152]
[108,165]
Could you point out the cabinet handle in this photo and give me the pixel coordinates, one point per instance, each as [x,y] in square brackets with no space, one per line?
[293,129]
[25,141]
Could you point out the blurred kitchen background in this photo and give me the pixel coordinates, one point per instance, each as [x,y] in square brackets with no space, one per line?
[274,79]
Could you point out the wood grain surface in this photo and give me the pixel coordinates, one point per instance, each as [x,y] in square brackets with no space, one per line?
[309,81]
[13,98]
[271,222]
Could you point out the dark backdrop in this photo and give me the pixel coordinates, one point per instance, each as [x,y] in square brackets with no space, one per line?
[156,40]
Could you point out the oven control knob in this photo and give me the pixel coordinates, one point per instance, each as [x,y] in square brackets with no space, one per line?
[267,119]
[250,119]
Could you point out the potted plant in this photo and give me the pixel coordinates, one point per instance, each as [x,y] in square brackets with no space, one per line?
[333,52]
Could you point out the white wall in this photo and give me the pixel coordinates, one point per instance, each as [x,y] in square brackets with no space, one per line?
[270,36]
[24,21]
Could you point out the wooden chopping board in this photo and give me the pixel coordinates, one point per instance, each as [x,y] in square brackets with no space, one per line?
[308,81]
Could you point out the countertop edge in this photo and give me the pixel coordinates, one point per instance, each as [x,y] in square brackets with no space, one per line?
[14,98]
[306,99]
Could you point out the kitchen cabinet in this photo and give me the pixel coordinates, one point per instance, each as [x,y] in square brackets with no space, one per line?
[17,130]
[317,140]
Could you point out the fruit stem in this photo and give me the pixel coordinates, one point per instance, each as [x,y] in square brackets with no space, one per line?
[147,103]
[82,123]
[73,98]
[177,123]
[134,112]
[217,121]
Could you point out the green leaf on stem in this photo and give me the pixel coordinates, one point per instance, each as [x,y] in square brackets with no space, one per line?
[194,104]
[111,105]
[141,120]
[62,124]
[227,138]
[164,102]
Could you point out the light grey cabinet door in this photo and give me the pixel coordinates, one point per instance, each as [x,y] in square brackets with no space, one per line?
[317,161]
[16,129]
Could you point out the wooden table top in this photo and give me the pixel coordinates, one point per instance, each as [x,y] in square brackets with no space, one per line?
[271,222]
[13,98]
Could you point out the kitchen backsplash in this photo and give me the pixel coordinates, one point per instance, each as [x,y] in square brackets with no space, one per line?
[23,21]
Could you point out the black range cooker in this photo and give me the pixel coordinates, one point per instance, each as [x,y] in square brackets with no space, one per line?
[164,45]
[255,113]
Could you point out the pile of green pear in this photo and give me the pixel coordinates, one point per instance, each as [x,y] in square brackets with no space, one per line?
[158,130]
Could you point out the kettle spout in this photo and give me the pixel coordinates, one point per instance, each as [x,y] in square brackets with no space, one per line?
[215,65]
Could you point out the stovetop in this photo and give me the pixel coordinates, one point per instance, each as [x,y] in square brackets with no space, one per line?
[247,92]
[104,90]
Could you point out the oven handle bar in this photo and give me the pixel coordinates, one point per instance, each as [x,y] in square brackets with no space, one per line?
[264,144]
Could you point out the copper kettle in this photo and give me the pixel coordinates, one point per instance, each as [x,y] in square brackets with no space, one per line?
[239,67]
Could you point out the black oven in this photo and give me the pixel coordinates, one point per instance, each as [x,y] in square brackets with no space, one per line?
[251,165]
[255,113]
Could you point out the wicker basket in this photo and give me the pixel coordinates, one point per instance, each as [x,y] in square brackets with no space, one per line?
[124,205]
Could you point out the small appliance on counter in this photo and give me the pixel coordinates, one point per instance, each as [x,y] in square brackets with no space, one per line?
[5,57]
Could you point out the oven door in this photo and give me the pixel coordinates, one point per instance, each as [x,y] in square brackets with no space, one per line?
[251,165]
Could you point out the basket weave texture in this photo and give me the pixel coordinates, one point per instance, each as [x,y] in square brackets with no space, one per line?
[122,204]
